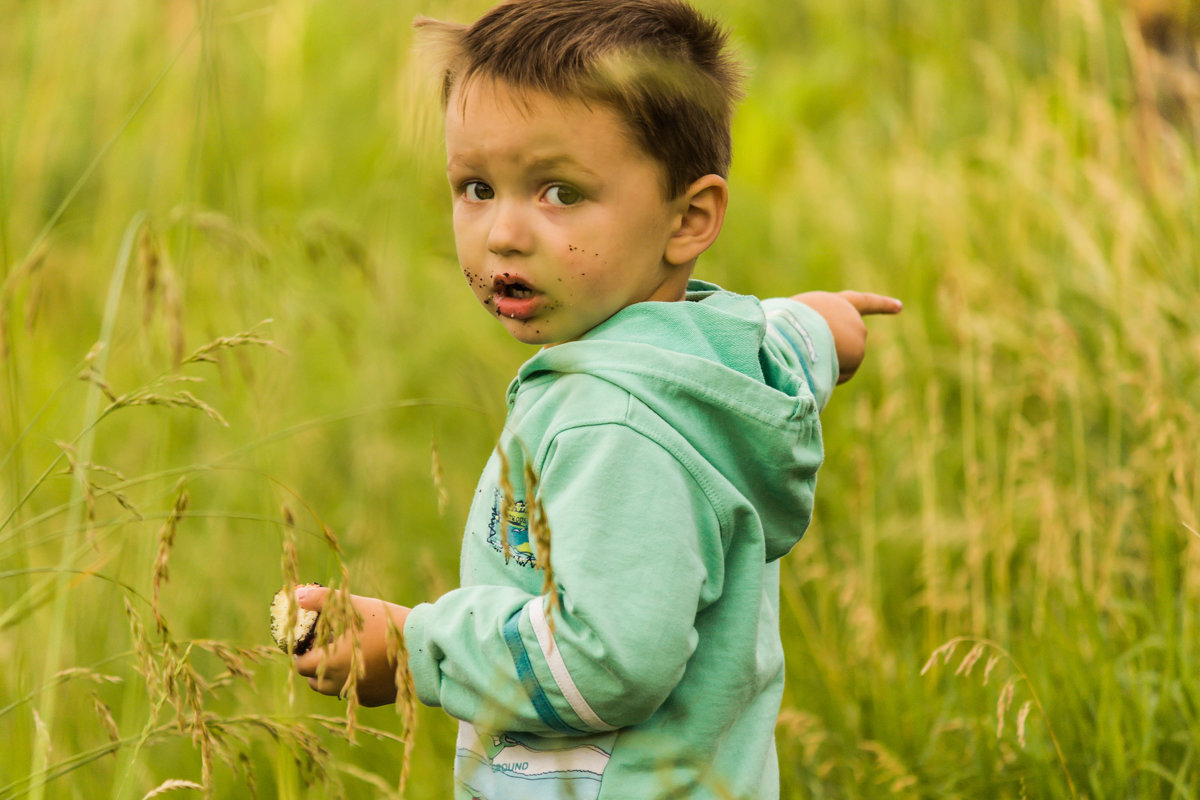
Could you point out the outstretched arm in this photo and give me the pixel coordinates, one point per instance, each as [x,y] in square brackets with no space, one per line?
[844,312]
[328,667]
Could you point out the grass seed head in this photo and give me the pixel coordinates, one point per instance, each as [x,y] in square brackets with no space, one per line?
[104,713]
[1003,704]
[539,529]
[439,478]
[506,488]
[149,264]
[406,696]
[166,539]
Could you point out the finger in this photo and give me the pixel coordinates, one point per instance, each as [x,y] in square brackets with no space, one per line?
[870,303]
[309,664]
[325,686]
[311,597]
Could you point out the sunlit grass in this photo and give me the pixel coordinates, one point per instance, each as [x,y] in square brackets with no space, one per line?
[1015,465]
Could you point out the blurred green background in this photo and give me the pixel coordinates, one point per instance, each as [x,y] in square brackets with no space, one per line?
[1012,481]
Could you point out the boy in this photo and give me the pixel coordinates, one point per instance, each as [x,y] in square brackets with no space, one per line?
[666,435]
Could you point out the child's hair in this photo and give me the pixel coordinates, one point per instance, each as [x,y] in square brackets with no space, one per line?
[659,64]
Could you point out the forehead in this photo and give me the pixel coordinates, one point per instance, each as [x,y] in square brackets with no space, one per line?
[488,118]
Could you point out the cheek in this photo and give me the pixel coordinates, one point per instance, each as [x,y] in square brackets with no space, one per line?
[468,226]
[582,267]
[476,280]
[468,258]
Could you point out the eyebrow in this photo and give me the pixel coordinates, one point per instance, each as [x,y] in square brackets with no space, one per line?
[542,164]
[556,162]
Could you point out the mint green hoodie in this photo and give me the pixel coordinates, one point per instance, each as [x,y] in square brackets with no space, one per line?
[675,448]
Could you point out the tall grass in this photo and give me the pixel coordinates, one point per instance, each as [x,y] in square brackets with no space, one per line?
[998,597]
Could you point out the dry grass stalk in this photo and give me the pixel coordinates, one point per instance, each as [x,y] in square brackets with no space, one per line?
[944,651]
[77,471]
[206,353]
[86,674]
[166,539]
[1023,715]
[81,471]
[291,559]
[539,529]
[290,564]
[185,690]
[992,661]
[174,681]
[439,478]
[325,238]
[25,271]
[122,500]
[895,774]
[106,719]
[1007,691]
[43,733]
[33,304]
[245,768]
[310,754]
[116,473]
[970,659]
[143,653]
[224,230]
[157,281]
[237,660]
[170,786]
[149,265]
[1003,704]
[203,737]
[506,488]
[338,618]
[173,311]
[331,539]
[406,697]
[90,375]
[181,399]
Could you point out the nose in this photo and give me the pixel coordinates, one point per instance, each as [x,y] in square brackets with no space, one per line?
[510,232]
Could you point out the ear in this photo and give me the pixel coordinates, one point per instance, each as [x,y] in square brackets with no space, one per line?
[701,210]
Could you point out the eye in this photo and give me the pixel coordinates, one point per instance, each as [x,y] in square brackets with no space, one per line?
[478,190]
[560,195]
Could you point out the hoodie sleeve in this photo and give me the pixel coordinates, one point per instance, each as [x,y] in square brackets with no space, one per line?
[801,338]
[636,549]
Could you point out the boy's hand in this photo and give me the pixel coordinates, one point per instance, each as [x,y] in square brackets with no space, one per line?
[377,686]
[844,312]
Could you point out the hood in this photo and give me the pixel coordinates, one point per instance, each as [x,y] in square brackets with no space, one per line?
[709,369]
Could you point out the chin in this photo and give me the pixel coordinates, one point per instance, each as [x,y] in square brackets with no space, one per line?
[532,333]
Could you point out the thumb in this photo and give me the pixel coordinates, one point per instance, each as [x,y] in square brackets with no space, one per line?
[311,596]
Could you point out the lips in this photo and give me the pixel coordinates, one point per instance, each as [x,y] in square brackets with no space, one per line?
[514,297]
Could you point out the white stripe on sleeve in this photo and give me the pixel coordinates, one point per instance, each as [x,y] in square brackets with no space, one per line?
[558,668]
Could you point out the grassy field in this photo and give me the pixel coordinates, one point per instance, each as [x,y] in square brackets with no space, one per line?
[232,328]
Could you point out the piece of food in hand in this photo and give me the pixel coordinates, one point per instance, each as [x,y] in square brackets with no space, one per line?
[301,635]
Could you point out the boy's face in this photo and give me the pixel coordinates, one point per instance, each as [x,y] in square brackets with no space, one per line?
[560,219]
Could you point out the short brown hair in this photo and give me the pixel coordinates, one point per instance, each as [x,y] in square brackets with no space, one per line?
[660,64]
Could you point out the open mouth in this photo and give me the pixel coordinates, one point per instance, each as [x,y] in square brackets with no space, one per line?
[512,287]
[512,297]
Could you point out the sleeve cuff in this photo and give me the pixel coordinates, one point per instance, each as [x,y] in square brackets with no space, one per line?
[422,661]
[809,337]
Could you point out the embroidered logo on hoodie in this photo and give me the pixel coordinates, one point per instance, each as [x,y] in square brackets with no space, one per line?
[516,522]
